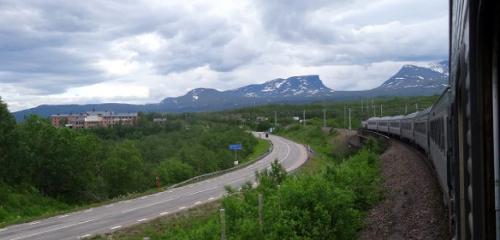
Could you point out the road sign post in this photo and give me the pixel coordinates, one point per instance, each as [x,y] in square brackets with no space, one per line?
[235,148]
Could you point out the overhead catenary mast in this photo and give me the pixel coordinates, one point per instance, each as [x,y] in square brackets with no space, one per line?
[345,109]
[349,119]
[304,117]
[275,119]
[373,108]
[324,117]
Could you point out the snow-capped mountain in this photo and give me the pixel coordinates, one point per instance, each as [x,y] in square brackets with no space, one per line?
[411,76]
[440,67]
[413,80]
[410,80]
[293,89]
[297,86]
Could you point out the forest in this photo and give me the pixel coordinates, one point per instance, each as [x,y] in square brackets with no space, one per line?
[63,167]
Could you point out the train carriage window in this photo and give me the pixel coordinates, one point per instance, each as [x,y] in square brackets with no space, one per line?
[395,124]
[437,132]
[406,125]
[420,127]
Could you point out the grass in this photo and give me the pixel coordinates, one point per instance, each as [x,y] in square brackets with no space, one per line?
[22,204]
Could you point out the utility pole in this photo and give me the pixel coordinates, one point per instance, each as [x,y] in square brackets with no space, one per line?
[222,225]
[349,119]
[381,113]
[261,212]
[324,117]
[373,108]
[345,109]
[275,119]
[304,117]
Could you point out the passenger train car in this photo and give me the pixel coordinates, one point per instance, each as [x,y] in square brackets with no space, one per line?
[460,133]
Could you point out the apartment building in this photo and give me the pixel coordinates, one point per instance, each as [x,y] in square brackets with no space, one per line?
[93,119]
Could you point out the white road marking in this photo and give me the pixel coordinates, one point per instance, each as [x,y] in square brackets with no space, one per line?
[63,216]
[149,205]
[211,198]
[238,179]
[36,222]
[110,205]
[3,229]
[197,203]
[90,220]
[128,201]
[51,230]
[85,236]
[144,197]
[170,191]
[203,190]
[88,210]
[142,220]
[180,208]
[163,213]
[116,227]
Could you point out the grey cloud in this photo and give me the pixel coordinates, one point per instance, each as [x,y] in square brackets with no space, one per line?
[51,46]
[328,32]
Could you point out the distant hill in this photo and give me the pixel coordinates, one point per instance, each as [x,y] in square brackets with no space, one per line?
[410,80]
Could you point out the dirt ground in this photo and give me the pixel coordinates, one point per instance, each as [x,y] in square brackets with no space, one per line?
[412,207]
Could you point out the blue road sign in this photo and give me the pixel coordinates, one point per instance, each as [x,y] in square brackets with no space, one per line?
[235,146]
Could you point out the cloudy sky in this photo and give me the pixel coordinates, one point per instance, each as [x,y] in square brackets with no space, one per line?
[59,52]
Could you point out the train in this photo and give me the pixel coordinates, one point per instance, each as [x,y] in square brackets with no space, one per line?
[460,133]
[426,129]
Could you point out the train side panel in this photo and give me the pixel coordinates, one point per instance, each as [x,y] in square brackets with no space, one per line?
[395,126]
[421,129]
[438,144]
[407,127]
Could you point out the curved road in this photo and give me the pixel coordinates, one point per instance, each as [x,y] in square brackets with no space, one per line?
[108,218]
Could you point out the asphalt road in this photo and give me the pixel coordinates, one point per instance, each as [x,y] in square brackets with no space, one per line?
[108,218]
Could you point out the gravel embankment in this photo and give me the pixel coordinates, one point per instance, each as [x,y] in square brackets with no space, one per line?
[412,207]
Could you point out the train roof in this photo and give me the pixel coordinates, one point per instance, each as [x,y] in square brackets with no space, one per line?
[424,112]
[412,115]
[397,117]
[385,118]
[372,118]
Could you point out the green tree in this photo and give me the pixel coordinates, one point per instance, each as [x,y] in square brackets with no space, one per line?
[174,171]
[123,170]
[8,143]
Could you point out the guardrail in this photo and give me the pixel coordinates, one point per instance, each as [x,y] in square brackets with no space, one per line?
[220,172]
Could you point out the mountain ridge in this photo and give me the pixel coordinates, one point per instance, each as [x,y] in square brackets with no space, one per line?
[410,80]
